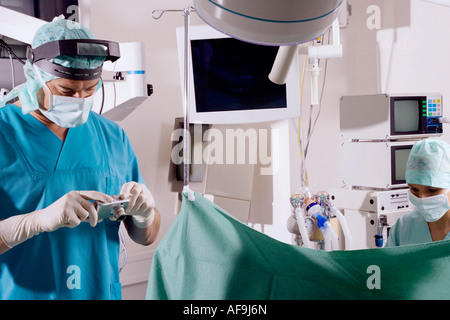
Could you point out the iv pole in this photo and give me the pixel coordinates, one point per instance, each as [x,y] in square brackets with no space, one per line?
[157,14]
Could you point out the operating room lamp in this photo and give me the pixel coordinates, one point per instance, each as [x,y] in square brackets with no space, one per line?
[284,23]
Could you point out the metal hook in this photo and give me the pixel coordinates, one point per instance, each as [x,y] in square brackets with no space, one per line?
[161,12]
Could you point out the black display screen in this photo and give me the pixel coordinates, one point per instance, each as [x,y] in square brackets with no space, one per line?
[230,75]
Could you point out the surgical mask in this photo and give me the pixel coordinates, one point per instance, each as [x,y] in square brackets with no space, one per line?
[66,112]
[431,208]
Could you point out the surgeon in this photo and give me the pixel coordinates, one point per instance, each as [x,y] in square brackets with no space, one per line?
[57,158]
[428,176]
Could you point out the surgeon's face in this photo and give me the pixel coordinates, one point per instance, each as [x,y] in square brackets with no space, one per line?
[422,191]
[69,88]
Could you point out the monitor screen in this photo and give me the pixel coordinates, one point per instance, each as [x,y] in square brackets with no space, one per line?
[401,155]
[233,75]
[228,80]
[406,115]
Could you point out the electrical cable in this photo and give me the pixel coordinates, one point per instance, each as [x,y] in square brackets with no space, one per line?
[124,249]
[5,46]
[302,167]
[103,98]
[13,76]
[311,125]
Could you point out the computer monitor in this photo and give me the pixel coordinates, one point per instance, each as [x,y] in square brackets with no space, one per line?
[416,115]
[391,116]
[399,158]
[377,165]
[229,81]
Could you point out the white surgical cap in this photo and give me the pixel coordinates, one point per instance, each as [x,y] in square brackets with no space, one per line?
[429,164]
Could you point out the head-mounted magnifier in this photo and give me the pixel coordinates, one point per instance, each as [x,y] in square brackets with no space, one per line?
[73,47]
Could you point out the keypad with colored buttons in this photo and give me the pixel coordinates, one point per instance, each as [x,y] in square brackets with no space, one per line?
[434,108]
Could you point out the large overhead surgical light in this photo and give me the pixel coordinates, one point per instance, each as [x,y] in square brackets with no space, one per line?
[269,22]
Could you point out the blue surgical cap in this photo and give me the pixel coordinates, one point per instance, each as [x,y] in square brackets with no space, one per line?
[58,29]
[429,164]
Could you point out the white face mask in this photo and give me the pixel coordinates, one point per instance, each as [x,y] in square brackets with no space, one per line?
[431,208]
[66,112]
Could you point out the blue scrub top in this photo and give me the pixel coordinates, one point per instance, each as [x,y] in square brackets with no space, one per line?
[410,228]
[36,169]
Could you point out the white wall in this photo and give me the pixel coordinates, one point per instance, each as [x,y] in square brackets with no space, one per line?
[409,53]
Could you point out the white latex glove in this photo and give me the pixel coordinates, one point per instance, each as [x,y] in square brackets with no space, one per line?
[68,211]
[141,206]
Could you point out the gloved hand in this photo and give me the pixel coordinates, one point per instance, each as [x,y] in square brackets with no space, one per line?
[141,206]
[68,211]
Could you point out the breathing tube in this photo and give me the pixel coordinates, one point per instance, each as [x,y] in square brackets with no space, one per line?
[345,229]
[302,228]
[298,219]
